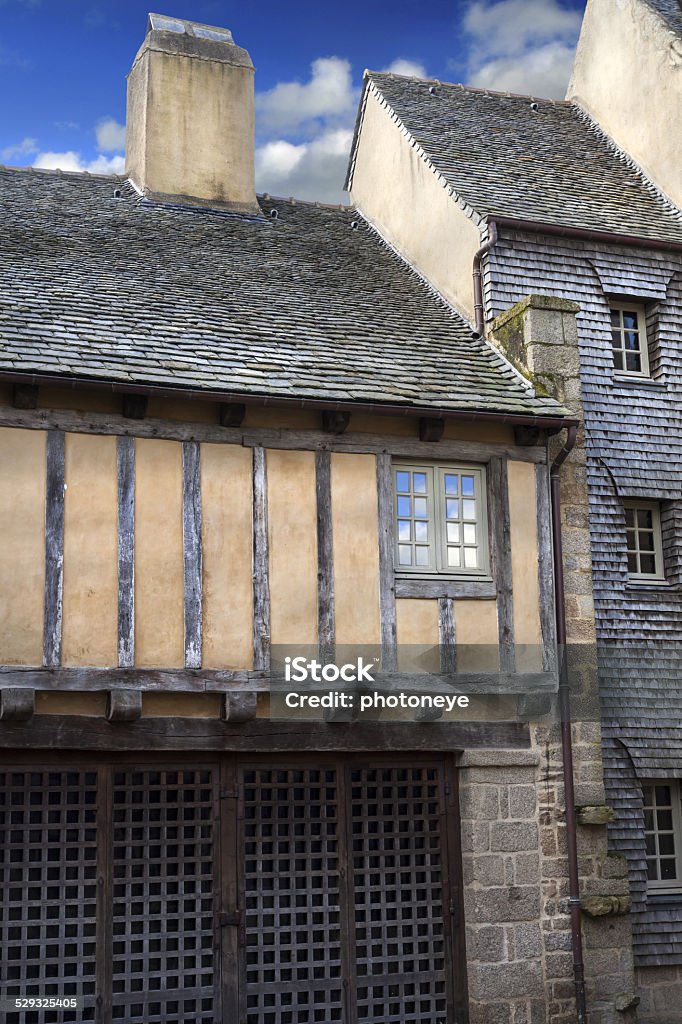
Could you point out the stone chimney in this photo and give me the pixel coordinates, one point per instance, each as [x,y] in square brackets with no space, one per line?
[190,119]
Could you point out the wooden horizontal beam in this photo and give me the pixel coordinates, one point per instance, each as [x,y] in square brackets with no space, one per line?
[313,440]
[469,589]
[214,681]
[74,732]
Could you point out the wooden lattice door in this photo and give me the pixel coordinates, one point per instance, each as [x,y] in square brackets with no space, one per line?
[232,892]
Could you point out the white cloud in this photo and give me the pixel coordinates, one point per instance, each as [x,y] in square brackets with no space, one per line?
[328,96]
[70,160]
[401,66]
[27,147]
[111,135]
[308,170]
[522,46]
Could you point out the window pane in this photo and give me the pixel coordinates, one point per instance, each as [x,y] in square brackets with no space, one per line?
[469,533]
[421,532]
[468,509]
[420,507]
[630,518]
[632,341]
[404,530]
[666,845]
[648,794]
[651,846]
[648,820]
[651,871]
[470,558]
[618,360]
[633,362]
[451,483]
[404,507]
[453,533]
[419,483]
[664,820]
[646,541]
[452,508]
[402,481]
[615,318]
[645,519]
[633,567]
[422,556]
[629,319]
[404,554]
[454,557]
[668,870]
[647,564]
[468,486]
[663,795]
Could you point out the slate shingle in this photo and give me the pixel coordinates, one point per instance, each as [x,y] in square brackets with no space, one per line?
[301,305]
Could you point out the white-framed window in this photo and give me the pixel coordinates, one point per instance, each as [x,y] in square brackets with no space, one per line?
[441,525]
[629,339]
[644,542]
[663,835]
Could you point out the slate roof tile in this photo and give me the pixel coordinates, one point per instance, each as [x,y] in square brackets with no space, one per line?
[118,289]
[551,165]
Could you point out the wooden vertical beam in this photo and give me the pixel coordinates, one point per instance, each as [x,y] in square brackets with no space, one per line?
[387,609]
[500,554]
[447,635]
[54,550]
[546,570]
[191,536]
[125,455]
[326,631]
[261,584]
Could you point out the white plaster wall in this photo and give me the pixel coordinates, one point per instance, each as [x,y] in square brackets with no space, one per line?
[403,198]
[628,76]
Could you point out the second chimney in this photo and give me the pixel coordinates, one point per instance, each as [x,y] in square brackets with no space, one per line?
[190,119]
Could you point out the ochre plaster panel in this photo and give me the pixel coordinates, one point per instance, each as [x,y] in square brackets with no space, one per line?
[71,703]
[476,635]
[356,548]
[159,570]
[292,531]
[524,555]
[418,636]
[227,517]
[22,545]
[90,604]
[181,705]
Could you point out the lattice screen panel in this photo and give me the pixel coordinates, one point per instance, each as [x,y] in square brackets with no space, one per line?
[163,903]
[291,882]
[48,890]
[399,930]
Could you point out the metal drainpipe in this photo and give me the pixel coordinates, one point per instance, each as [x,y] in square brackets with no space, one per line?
[479,318]
[566,737]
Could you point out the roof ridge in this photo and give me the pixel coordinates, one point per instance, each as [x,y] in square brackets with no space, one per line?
[58,172]
[624,157]
[469,88]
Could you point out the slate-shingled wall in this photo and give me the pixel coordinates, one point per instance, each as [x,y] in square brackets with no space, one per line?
[634,449]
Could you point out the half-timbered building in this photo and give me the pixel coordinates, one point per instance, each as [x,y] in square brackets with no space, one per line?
[233,427]
[566,211]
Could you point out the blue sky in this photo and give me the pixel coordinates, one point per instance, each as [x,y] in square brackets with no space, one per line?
[63,65]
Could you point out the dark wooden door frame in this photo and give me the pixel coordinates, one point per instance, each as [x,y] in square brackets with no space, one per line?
[228,877]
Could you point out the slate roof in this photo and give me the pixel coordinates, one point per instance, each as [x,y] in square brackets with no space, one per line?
[670,11]
[550,165]
[301,306]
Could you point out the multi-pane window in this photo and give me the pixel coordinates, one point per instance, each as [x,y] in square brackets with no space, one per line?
[440,520]
[629,341]
[643,534]
[663,835]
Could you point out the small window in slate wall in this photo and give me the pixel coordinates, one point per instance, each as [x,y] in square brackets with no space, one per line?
[663,836]
[644,541]
[629,339]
